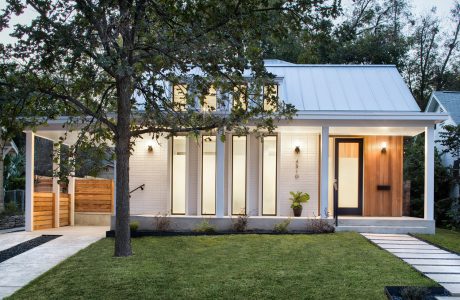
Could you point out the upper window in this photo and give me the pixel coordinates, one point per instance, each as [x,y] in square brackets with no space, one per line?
[180,96]
[270,97]
[210,100]
[240,98]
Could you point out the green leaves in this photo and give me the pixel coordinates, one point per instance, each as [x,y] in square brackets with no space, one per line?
[298,198]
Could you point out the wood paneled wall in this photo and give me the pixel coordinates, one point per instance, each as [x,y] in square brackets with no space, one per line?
[43,211]
[64,209]
[94,195]
[383,169]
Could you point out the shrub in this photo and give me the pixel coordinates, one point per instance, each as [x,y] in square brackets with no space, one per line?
[282,227]
[297,198]
[162,223]
[204,227]
[320,226]
[241,223]
[133,226]
[11,209]
[414,293]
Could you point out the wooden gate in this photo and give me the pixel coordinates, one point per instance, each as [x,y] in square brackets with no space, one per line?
[43,211]
[64,209]
[94,195]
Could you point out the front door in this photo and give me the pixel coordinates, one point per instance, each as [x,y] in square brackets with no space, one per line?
[348,185]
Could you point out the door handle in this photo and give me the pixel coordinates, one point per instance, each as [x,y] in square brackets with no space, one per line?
[335,184]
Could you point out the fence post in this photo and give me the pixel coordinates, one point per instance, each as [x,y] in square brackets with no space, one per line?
[71,191]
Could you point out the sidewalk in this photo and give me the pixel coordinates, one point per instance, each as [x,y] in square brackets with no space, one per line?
[23,268]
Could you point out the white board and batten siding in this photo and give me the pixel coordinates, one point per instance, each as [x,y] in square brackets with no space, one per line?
[153,170]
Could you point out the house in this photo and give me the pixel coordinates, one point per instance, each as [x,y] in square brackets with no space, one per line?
[344,147]
[10,149]
[446,102]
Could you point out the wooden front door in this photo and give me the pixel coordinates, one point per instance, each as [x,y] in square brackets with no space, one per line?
[348,185]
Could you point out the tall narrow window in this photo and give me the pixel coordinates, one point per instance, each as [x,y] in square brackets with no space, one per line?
[239,175]
[208,176]
[178,175]
[210,100]
[180,96]
[270,97]
[269,169]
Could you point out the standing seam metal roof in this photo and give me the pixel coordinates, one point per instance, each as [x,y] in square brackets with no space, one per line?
[450,100]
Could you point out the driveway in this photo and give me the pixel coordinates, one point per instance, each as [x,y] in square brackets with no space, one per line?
[19,270]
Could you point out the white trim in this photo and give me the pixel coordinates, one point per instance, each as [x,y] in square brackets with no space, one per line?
[29,193]
[324,174]
[220,175]
[429,174]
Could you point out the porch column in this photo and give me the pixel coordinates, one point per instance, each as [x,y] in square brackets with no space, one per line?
[429,173]
[324,189]
[29,194]
[220,175]
[56,186]
[71,191]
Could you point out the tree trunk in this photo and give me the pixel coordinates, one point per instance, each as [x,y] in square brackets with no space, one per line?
[122,151]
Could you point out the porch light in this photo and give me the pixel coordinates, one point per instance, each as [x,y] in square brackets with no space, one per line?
[297,149]
[150,147]
[384,148]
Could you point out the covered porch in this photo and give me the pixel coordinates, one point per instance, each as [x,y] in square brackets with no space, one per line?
[351,165]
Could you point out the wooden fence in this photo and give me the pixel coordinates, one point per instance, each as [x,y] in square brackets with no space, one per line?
[43,211]
[94,195]
[64,209]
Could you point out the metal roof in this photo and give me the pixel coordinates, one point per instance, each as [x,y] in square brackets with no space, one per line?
[342,87]
[449,101]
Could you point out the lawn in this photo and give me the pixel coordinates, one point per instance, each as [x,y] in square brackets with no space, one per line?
[331,266]
[448,239]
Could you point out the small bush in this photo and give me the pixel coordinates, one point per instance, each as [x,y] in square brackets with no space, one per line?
[320,226]
[11,209]
[414,293]
[133,226]
[282,227]
[241,223]
[162,223]
[204,227]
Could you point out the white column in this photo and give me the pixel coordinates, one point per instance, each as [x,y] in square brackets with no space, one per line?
[429,173]
[29,180]
[71,191]
[220,176]
[56,186]
[324,189]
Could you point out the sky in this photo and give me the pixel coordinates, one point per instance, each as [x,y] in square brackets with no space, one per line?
[419,7]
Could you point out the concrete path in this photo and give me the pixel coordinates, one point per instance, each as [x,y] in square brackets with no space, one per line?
[17,271]
[440,265]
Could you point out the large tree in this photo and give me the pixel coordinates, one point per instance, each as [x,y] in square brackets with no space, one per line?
[113,63]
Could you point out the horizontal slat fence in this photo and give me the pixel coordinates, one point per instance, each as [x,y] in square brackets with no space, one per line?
[94,195]
[64,209]
[43,210]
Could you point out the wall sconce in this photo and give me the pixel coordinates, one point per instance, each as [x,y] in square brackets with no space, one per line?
[150,147]
[297,149]
[384,148]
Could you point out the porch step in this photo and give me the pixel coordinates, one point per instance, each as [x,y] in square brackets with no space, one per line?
[412,222]
[385,229]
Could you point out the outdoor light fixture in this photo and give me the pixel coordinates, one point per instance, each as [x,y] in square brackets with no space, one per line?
[150,147]
[297,149]
[384,148]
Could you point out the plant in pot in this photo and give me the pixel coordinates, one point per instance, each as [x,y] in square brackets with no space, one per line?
[297,199]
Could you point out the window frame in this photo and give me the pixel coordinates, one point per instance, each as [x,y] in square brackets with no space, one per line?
[276,177]
[246,175]
[277,95]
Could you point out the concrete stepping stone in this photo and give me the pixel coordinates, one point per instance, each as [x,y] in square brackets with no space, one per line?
[384,242]
[447,298]
[423,251]
[432,262]
[445,278]
[422,255]
[453,288]
[439,269]
[397,246]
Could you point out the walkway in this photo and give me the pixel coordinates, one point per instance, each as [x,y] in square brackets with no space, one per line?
[440,265]
[17,271]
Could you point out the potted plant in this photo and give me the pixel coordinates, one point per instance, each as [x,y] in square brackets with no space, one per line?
[298,198]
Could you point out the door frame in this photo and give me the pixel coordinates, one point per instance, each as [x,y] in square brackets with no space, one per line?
[349,211]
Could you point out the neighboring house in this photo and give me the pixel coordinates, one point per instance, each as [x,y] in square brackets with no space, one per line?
[344,147]
[446,102]
[10,148]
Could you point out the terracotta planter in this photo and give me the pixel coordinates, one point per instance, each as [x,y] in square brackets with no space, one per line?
[297,211]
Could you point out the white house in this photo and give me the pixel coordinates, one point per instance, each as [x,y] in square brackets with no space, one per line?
[344,147]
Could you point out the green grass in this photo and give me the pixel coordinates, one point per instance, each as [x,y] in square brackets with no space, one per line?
[331,266]
[445,238]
